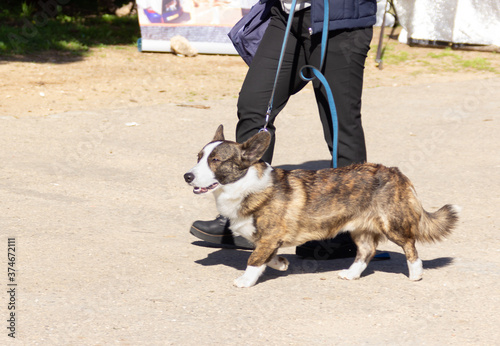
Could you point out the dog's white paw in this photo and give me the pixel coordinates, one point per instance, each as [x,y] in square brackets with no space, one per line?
[250,277]
[279,263]
[346,274]
[354,271]
[244,282]
[416,270]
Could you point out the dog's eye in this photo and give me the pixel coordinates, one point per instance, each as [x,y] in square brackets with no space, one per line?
[214,159]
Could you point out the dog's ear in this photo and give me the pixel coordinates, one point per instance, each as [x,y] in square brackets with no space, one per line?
[219,134]
[255,147]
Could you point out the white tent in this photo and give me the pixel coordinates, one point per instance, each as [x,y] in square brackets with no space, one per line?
[474,22]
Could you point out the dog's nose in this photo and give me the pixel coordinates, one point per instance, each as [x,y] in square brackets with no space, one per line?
[189,177]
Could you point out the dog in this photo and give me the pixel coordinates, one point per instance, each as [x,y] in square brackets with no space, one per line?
[276,208]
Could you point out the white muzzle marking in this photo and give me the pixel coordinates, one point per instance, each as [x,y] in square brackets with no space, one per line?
[204,179]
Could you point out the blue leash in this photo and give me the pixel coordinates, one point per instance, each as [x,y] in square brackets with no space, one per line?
[316,74]
[280,62]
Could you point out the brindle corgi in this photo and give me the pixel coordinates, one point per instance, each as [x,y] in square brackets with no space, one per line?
[273,207]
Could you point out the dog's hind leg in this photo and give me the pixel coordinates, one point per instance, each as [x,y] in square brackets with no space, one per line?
[415,268]
[366,243]
[279,263]
[263,255]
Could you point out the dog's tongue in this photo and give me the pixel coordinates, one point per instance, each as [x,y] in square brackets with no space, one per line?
[200,190]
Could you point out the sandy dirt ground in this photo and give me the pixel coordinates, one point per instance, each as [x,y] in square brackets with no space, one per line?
[92,197]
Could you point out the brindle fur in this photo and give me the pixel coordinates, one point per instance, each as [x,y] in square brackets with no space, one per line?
[371,201]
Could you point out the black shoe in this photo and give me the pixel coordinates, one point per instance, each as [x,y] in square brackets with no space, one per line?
[217,232]
[341,246]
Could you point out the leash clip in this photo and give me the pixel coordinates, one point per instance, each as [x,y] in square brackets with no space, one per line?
[268,114]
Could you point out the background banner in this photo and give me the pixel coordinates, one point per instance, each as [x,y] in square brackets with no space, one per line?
[204,23]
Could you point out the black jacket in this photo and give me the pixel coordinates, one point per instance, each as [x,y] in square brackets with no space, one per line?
[344,14]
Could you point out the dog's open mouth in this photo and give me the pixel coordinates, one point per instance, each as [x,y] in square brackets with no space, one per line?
[199,190]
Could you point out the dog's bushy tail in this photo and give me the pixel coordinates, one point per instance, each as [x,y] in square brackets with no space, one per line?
[436,226]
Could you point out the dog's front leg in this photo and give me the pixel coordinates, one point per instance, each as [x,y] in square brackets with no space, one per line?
[250,277]
[264,254]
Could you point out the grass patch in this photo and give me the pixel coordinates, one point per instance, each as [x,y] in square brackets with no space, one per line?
[480,64]
[399,57]
[458,63]
[447,52]
[447,59]
[27,32]
[393,56]
[396,58]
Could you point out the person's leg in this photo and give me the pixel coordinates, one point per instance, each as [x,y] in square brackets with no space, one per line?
[343,69]
[257,88]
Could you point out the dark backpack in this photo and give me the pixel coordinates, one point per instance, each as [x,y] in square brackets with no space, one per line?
[248,31]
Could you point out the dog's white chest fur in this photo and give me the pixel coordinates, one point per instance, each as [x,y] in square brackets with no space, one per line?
[228,199]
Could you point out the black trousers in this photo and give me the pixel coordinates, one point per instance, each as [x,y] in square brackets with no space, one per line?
[343,68]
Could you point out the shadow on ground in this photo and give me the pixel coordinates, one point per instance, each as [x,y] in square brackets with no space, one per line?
[238,258]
